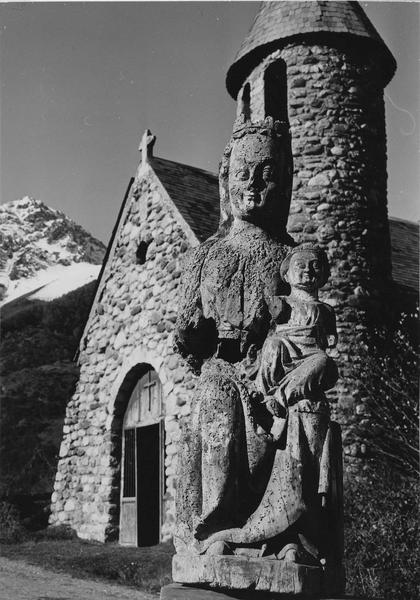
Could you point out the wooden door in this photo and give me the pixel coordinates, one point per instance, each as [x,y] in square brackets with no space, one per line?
[142,465]
[128,510]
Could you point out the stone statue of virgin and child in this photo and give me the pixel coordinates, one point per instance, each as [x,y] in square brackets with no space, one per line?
[259,473]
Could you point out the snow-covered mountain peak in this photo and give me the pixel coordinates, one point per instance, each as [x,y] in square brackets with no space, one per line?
[36,240]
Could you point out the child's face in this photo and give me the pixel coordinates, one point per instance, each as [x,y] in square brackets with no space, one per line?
[305,271]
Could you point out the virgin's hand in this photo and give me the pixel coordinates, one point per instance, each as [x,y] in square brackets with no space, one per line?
[332,341]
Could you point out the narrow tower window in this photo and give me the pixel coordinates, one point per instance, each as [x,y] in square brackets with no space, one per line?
[275,91]
[141,252]
[246,102]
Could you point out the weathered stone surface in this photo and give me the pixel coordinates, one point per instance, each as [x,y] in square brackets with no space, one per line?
[246,481]
[321,179]
[252,236]
[239,572]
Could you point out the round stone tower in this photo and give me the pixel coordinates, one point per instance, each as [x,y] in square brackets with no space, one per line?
[323,67]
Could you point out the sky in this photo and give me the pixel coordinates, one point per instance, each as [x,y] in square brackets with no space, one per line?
[80,82]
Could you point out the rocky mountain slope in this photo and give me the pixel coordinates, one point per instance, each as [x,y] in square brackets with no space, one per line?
[48,271]
[40,245]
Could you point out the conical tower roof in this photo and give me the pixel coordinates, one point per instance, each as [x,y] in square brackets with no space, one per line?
[279,21]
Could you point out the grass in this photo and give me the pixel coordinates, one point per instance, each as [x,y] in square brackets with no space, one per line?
[381,535]
[148,569]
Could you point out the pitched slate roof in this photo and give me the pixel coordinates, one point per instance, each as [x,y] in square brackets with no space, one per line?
[405,252]
[195,193]
[279,21]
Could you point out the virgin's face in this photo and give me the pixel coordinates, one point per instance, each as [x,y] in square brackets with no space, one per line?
[254,174]
[305,271]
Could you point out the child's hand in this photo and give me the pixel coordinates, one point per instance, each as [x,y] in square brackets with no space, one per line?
[274,406]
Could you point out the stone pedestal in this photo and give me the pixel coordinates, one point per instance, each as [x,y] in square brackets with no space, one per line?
[235,574]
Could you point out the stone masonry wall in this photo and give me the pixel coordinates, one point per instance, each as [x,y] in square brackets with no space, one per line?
[337,121]
[132,325]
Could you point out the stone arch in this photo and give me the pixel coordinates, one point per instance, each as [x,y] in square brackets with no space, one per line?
[131,367]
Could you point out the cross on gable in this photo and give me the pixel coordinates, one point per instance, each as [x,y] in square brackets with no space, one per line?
[146,145]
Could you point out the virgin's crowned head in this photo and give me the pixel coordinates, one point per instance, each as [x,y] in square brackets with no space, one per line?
[256,176]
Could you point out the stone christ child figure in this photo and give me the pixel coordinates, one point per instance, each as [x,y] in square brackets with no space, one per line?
[294,364]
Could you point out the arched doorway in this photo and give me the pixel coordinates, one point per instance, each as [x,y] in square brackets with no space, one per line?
[142,465]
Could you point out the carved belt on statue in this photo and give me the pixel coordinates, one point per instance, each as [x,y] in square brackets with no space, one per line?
[320,407]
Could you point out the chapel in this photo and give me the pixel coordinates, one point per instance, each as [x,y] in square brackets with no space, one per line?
[322,68]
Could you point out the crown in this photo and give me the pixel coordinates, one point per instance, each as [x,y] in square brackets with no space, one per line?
[307,246]
[268,126]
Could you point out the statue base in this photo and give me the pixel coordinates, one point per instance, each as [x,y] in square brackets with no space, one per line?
[234,573]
